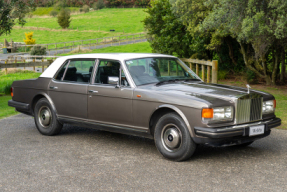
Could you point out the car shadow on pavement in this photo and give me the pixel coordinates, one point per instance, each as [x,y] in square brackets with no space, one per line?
[256,150]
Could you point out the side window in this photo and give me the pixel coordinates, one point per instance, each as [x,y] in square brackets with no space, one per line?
[106,69]
[61,72]
[79,70]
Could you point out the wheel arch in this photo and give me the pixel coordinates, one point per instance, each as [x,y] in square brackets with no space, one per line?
[40,96]
[164,109]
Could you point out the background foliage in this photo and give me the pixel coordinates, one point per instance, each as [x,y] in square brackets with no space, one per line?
[241,34]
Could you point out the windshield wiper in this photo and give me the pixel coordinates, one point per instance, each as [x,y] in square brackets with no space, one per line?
[167,81]
[191,79]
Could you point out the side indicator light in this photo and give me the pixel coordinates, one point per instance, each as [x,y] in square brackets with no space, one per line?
[12,92]
[207,113]
[139,96]
[274,103]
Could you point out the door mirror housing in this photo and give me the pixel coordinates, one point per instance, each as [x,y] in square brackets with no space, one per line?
[113,80]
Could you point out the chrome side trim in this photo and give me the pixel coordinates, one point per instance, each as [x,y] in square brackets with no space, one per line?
[101,123]
[181,115]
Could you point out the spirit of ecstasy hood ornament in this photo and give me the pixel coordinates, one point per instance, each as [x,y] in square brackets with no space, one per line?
[248,87]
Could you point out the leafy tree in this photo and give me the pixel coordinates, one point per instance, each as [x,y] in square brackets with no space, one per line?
[12,12]
[258,26]
[64,18]
[166,33]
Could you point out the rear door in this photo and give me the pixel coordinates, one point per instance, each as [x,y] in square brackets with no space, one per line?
[68,89]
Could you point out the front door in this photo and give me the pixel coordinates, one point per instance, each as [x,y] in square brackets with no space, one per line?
[109,103]
[68,89]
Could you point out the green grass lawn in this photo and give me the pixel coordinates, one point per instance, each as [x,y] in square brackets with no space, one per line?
[143,47]
[5,83]
[42,11]
[5,110]
[89,25]
[7,80]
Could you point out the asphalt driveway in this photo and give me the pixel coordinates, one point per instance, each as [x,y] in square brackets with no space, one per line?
[81,159]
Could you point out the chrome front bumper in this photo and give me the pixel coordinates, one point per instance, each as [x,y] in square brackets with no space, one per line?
[237,130]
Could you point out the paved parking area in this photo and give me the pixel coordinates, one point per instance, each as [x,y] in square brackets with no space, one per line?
[81,159]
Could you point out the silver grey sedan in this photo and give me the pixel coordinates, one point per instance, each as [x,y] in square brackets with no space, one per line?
[151,95]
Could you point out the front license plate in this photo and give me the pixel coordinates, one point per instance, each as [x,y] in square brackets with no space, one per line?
[256,130]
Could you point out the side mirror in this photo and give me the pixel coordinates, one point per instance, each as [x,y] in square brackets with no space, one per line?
[112,80]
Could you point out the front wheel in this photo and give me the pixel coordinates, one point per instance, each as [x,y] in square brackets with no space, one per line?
[172,138]
[45,118]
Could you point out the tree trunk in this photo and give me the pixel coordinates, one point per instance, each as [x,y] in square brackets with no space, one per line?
[275,66]
[247,61]
[230,48]
[283,67]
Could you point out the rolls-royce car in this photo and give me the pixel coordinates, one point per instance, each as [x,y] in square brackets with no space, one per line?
[151,95]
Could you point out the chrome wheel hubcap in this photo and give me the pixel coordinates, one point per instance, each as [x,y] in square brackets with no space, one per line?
[44,116]
[171,137]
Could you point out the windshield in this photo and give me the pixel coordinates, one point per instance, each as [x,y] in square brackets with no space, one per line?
[156,70]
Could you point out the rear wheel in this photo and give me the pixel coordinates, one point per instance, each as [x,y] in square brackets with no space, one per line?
[172,138]
[45,118]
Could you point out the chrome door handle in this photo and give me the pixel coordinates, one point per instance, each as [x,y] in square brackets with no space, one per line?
[53,87]
[93,91]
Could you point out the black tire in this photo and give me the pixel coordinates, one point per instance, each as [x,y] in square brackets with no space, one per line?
[168,129]
[45,118]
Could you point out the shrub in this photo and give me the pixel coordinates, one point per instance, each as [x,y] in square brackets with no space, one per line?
[24,49]
[29,40]
[81,9]
[29,15]
[250,76]
[53,13]
[222,74]
[7,89]
[86,8]
[64,18]
[38,50]
[99,4]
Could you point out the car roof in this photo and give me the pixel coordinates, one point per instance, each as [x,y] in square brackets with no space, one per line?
[117,56]
[53,68]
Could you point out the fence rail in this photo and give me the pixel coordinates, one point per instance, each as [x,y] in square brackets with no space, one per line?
[85,43]
[209,64]
[27,61]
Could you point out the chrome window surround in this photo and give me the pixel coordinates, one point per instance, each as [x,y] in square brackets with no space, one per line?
[129,79]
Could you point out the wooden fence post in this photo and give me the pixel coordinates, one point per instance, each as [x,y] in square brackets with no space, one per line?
[203,72]
[168,68]
[208,74]
[196,69]
[214,71]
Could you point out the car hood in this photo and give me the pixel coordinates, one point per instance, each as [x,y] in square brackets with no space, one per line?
[211,93]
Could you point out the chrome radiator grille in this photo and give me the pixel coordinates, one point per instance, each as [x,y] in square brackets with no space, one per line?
[249,110]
